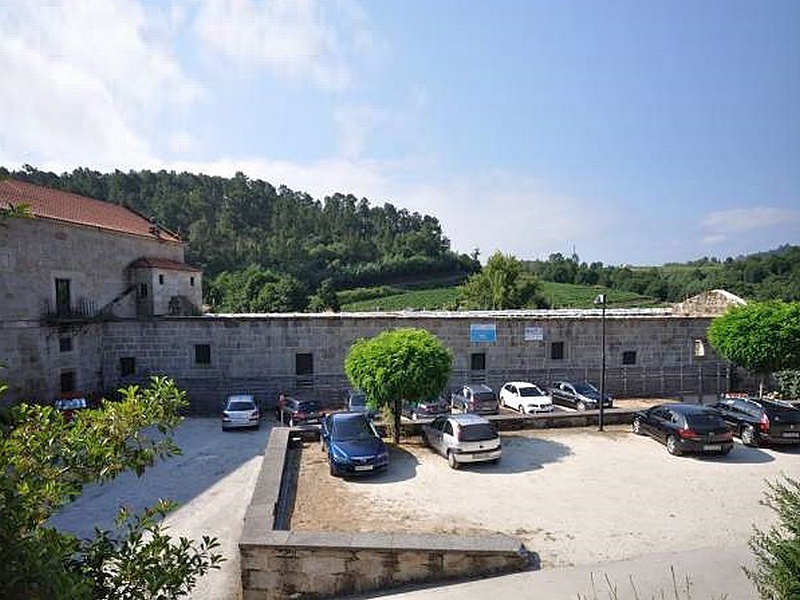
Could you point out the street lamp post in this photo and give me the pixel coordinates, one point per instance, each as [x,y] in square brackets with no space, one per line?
[601,301]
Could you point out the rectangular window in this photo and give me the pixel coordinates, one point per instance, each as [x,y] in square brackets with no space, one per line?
[629,357]
[63,296]
[65,344]
[202,354]
[191,281]
[127,366]
[67,383]
[304,369]
[557,350]
[477,361]
[304,364]
[143,290]
[160,279]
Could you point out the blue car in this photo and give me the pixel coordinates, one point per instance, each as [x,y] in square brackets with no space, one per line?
[352,444]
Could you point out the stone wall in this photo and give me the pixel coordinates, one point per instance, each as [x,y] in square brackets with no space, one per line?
[278,564]
[258,353]
[33,254]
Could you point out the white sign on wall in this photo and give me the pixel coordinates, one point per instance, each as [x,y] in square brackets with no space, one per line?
[534,334]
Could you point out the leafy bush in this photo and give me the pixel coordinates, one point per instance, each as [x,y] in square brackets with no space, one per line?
[45,462]
[777,550]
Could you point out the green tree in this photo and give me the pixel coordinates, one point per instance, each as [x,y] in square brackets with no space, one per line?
[502,284]
[761,337]
[396,366]
[777,550]
[45,462]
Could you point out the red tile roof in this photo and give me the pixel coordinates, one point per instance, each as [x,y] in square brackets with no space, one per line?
[47,203]
[163,263]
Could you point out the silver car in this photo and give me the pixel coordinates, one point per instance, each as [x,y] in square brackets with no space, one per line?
[465,438]
[241,411]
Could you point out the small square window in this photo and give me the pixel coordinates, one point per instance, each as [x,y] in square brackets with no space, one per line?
[160,279]
[127,366]
[477,361]
[629,357]
[202,354]
[65,344]
[557,350]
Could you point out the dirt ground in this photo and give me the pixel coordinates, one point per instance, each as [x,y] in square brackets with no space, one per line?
[325,503]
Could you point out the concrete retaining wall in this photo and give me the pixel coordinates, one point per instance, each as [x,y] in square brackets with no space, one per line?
[278,564]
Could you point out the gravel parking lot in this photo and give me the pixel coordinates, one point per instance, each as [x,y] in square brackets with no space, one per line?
[575,496]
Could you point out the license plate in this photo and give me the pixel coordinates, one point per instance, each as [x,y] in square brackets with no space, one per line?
[712,447]
[363,467]
[791,434]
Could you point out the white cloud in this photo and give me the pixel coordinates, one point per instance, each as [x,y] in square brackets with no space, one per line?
[293,38]
[78,76]
[719,226]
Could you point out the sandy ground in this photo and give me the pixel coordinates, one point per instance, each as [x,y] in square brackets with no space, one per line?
[572,495]
[575,496]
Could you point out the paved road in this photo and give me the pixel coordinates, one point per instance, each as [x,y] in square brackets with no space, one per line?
[212,481]
[590,504]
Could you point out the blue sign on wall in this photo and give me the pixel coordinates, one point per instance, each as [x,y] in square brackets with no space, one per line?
[482,332]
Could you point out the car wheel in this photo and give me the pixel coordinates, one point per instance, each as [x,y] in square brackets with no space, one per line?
[672,445]
[334,472]
[748,436]
[637,426]
[451,459]
[580,406]
[495,461]
[726,451]
[502,402]
[521,409]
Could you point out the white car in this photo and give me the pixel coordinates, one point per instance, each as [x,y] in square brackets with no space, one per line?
[240,411]
[464,438]
[527,398]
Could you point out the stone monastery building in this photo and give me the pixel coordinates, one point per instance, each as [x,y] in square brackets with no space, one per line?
[94,296]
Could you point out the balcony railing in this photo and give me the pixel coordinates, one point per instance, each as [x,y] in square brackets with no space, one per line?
[82,309]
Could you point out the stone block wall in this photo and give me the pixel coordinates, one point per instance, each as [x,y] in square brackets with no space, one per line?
[279,564]
[259,353]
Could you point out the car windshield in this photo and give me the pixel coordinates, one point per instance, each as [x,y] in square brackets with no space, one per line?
[358,400]
[585,388]
[240,405]
[352,429]
[530,391]
[308,406]
[477,432]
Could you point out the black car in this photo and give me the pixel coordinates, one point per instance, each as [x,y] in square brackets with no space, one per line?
[580,395]
[427,408]
[685,428]
[296,412]
[761,421]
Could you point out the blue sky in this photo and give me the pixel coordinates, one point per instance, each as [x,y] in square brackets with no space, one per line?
[626,131]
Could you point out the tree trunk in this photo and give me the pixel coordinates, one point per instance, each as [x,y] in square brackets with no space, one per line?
[398,403]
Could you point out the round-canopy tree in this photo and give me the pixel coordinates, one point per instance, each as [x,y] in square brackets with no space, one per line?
[397,365]
[762,337]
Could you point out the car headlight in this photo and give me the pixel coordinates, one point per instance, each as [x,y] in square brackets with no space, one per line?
[338,455]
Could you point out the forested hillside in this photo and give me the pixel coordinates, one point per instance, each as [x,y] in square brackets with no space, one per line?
[268,249]
[771,275]
[264,249]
